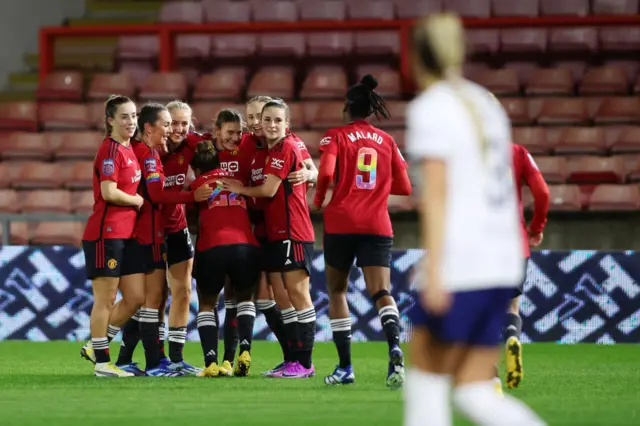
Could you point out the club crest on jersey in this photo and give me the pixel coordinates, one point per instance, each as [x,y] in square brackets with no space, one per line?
[150,165]
[112,264]
[181,160]
[108,166]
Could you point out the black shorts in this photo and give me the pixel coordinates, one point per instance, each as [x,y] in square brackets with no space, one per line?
[111,258]
[179,247]
[146,258]
[240,262]
[264,247]
[288,255]
[340,250]
[520,290]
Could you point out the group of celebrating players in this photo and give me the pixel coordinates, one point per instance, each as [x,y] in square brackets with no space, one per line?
[255,236]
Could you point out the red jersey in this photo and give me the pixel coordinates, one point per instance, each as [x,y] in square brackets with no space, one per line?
[224,219]
[149,227]
[257,178]
[239,160]
[176,166]
[526,171]
[287,213]
[368,161]
[117,163]
[303,148]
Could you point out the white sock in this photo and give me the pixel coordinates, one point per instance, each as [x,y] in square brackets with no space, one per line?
[480,403]
[426,399]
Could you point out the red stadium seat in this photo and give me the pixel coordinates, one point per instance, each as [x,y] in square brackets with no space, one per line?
[615,197]
[564,198]
[10,170]
[297,114]
[483,41]
[470,9]
[61,86]
[614,7]
[397,110]
[181,11]
[47,200]
[25,146]
[591,169]
[138,47]
[80,175]
[104,85]
[564,7]
[64,116]
[618,110]
[619,39]
[276,81]
[18,233]
[226,11]
[502,82]
[283,44]
[389,84]
[82,201]
[412,9]
[568,111]
[628,141]
[233,46]
[329,44]
[582,140]
[605,80]
[323,115]
[377,43]
[324,83]
[518,110]
[205,113]
[139,70]
[516,8]
[330,10]
[311,140]
[275,11]
[221,84]
[161,87]
[9,202]
[96,115]
[523,40]
[554,169]
[19,115]
[532,138]
[578,39]
[74,145]
[370,9]
[193,46]
[58,233]
[551,81]
[32,174]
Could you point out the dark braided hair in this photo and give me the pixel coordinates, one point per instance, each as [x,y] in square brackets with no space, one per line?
[363,101]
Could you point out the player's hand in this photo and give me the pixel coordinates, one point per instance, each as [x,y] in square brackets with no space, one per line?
[231,185]
[139,201]
[299,177]
[535,239]
[314,208]
[202,193]
[435,298]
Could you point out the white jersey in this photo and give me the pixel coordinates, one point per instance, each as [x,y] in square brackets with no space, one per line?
[482,235]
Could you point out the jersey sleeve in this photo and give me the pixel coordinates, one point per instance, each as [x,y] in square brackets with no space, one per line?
[427,131]
[329,142]
[153,175]
[401,183]
[151,167]
[108,163]
[529,166]
[280,162]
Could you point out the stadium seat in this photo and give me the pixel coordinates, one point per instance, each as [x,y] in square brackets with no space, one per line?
[226,11]
[33,174]
[397,118]
[615,197]
[518,110]
[18,233]
[501,82]
[619,39]
[24,146]
[233,46]
[567,111]
[526,8]
[323,115]
[138,47]
[564,7]
[523,40]
[550,82]
[80,174]
[64,116]
[413,9]
[297,115]
[469,9]
[61,86]
[398,136]
[370,9]
[277,81]
[104,85]
[19,115]
[329,44]
[564,198]
[96,115]
[618,110]
[577,39]
[582,140]
[377,43]
[554,169]
[275,11]
[591,169]
[181,11]
[221,84]
[9,202]
[324,83]
[82,202]
[74,145]
[311,140]
[483,41]
[164,87]
[389,85]
[604,81]
[283,44]
[532,138]
[193,46]
[9,170]
[204,113]
[614,7]
[329,10]
[139,70]
[628,141]
[47,200]
[58,233]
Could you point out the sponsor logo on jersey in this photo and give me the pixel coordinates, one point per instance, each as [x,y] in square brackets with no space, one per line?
[174,180]
[277,163]
[325,141]
[137,176]
[230,166]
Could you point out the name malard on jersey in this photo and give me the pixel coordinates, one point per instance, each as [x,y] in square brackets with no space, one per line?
[362,135]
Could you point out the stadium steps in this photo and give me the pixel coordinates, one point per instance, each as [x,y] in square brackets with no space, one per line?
[107,21]
[23,81]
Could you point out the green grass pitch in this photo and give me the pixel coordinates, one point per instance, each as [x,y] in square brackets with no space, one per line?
[49,384]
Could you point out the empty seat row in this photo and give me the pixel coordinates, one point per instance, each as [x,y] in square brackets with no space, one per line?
[590,169]
[45,233]
[47,145]
[578,140]
[45,200]
[230,83]
[36,174]
[606,197]
[292,10]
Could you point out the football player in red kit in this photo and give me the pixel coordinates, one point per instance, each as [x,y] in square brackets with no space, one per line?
[525,171]
[289,229]
[107,241]
[368,167]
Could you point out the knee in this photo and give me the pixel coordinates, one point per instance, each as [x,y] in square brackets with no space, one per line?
[134,298]
[104,301]
[181,294]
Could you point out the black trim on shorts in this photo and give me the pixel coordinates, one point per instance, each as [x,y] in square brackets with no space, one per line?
[179,247]
[288,255]
[239,262]
[340,250]
[146,258]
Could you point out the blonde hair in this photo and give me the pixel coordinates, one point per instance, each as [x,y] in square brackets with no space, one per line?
[178,104]
[440,45]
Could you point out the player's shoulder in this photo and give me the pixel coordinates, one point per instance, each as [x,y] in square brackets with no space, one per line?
[109,148]
[193,138]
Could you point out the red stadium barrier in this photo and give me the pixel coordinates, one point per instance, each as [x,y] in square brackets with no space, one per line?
[168,32]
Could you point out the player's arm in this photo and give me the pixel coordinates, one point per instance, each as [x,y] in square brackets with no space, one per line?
[329,150]
[540,191]
[400,183]
[154,179]
[275,171]
[309,173]
[108,175]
